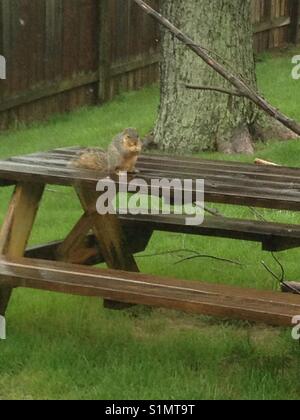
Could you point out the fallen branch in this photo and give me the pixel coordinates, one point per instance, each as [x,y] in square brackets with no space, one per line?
[242,87]
[215,89]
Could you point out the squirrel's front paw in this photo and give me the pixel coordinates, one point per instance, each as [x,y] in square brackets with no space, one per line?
[135,171]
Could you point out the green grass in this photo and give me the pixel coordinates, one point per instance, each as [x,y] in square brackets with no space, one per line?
[64,347]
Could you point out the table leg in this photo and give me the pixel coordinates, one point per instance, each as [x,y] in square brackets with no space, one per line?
[16,229]
[112,241]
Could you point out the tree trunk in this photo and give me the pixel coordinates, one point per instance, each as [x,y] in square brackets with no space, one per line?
[191,120]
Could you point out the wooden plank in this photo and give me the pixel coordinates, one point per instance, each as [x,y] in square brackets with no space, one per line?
[137,63]
[182,165]
[225,181]
[108,230]
[273,308]
[295,21]
[71,38]
[279,22]
[238,167]
[54,38]
[47,90]
[17,226]
[104,50]
[265,198]
[112,241]
[222,175]
[44,252]
[75,240]
[138,231]
[247,175]
[169,171]
[88,253]
[274,237]
[5,36]
[194,162]
[5,27]
[89,35]
[268,7]
[247,229]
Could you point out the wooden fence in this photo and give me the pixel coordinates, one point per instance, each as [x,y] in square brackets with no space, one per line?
[63,54]
[276,23]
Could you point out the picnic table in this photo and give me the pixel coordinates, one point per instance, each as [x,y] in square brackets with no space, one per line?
[66,265]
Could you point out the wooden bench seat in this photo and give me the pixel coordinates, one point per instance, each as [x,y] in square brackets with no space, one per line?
[273,236]
[138,230]
[273,308]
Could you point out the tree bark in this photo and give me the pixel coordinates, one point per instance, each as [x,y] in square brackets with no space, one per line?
[191,120]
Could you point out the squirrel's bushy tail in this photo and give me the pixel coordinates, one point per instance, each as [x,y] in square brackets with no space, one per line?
[93,159]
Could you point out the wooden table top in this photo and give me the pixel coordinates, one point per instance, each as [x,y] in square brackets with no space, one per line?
[225,182]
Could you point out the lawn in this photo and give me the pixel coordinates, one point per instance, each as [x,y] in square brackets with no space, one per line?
[65,347]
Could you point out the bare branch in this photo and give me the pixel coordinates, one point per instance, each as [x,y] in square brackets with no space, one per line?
[241,85]
[215,89]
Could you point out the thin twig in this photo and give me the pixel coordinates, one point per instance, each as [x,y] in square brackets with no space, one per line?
[213,212]
[270,271]
[55,191]
[171,252]
[282,279]
[211,257]
[215,89]
[197,255]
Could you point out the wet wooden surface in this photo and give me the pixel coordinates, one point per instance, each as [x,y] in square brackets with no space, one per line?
[273,308]
[225,182]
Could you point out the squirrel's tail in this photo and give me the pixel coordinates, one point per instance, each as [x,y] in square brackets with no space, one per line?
[91,159]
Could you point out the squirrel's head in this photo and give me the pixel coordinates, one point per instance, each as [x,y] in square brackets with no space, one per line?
[131,141]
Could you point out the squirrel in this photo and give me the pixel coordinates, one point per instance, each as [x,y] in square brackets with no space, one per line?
[121,155]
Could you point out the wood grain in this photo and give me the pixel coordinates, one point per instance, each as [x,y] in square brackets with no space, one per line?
[108,230]
[273,308]
[17,226]
[225,182]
